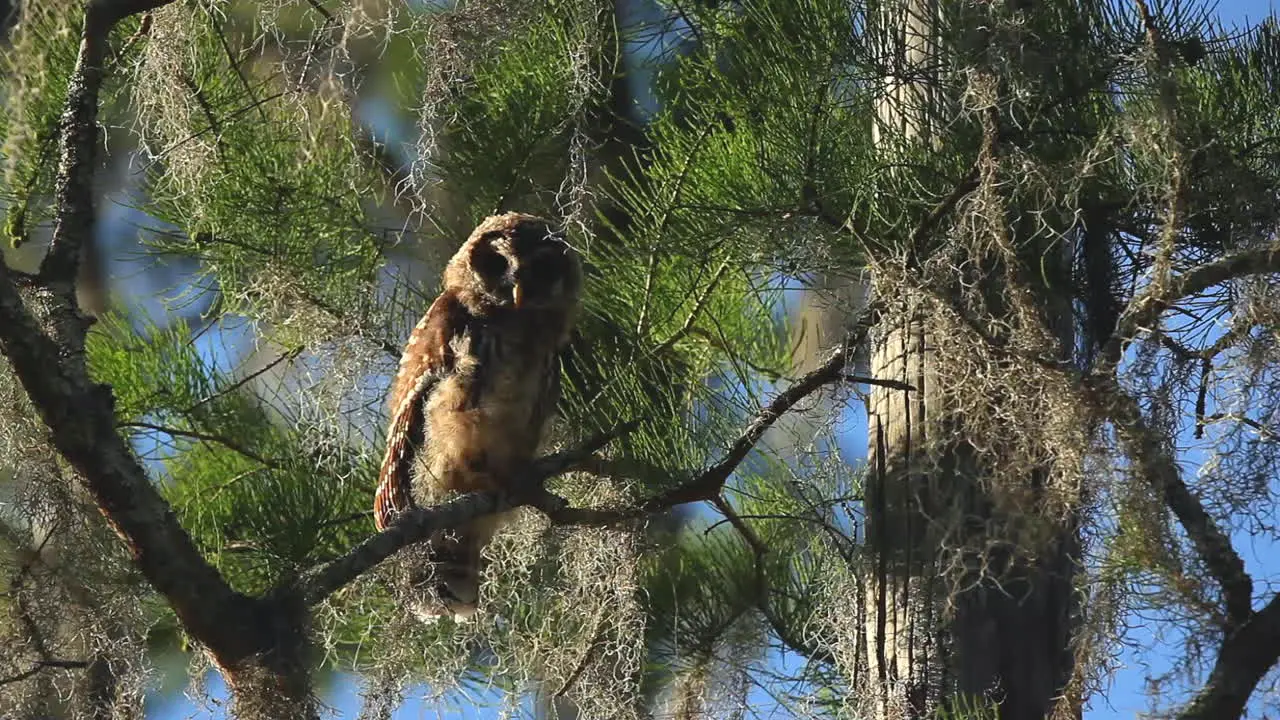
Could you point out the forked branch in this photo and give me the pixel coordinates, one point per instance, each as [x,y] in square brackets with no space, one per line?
[44,340]
[1145,309]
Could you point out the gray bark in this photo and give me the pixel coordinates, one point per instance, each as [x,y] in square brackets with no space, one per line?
[940,636]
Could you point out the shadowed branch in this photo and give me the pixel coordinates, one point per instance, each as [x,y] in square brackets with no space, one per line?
[41,665]
[42,334]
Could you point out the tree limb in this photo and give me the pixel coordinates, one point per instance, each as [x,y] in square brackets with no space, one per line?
[1145,447]
[80,417]
[1154,462]
[419,523]
[1145,309]
[40,665]
[1245,657]
[708,484]
[78,138]
[44,342]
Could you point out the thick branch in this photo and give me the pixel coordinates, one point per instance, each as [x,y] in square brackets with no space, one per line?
[1153,462]
[409,527]
[78,141]
[46,354]
[1246,655]
[81,420]
[1145,309]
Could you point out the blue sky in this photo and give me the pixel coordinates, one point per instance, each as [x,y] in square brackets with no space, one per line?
[1126,697]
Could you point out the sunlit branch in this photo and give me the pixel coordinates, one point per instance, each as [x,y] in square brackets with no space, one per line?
[1145,309]
[1153,461]
[419,523]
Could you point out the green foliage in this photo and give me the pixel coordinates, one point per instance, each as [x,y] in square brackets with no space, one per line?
[517,106]
[771,157]
[255,497]
[36,64]
[266,184]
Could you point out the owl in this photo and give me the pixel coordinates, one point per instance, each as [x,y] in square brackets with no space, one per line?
[476,388]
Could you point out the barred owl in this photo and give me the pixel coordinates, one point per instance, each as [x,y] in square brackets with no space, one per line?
[477,386]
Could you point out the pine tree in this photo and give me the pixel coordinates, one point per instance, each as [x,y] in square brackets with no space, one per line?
[1067,212]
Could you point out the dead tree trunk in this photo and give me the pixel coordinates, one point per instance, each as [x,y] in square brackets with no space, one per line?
[938,633]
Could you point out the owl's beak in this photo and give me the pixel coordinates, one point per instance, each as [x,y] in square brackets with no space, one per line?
[517,294]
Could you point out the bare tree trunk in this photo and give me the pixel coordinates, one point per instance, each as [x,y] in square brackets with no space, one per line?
[940,636]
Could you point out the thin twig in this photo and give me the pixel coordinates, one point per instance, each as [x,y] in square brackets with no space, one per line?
[760,551]
[597,639]
[203,437]
[698,304]
[41,665]
[287,355]
[890,384]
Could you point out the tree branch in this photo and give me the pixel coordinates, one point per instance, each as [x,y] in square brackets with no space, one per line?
[419,523]
[80,416]
[708,484]
[1245,657]
[44,342]
[1146,448]
[1154,462]
[1145,309]
[78,141]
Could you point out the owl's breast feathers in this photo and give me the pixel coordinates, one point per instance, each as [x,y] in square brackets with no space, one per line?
[470,402]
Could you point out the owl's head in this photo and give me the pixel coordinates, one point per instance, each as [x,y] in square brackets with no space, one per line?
[517,260]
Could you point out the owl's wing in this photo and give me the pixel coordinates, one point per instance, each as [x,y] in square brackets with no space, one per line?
[549,393]
[428,358]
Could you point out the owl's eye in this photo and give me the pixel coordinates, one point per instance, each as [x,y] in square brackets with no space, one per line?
[488,263]
[540,265]
[549,261]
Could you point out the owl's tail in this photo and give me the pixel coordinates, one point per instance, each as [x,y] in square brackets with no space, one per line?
[453,586]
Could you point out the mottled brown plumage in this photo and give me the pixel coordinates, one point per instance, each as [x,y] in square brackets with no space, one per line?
[478,383]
